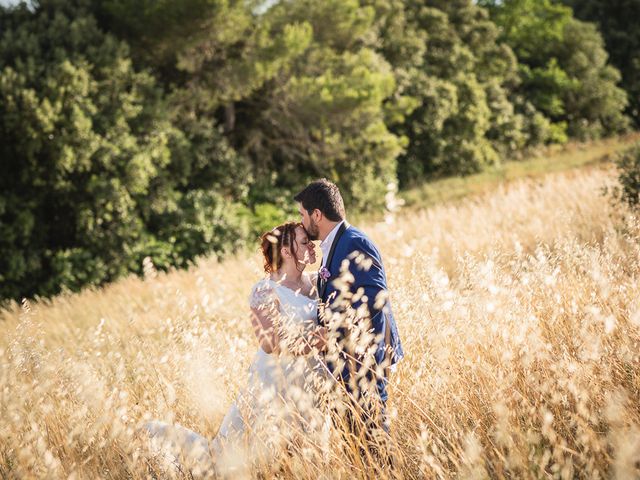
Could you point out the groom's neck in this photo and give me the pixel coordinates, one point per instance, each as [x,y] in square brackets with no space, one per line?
[326,229]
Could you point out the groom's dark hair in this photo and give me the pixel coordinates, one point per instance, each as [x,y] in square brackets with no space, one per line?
[325,196]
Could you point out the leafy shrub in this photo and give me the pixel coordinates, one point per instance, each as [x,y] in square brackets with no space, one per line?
[629,176]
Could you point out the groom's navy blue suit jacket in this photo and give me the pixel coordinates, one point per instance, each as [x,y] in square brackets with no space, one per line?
[373,280]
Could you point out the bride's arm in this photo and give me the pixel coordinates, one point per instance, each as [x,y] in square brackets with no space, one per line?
[316,341]
[268,334]
[265,328]
[310,342]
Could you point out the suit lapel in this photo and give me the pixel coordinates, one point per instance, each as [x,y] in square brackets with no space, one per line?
[341,230]
[319,285]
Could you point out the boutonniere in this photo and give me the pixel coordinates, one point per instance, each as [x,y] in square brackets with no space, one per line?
[324,273]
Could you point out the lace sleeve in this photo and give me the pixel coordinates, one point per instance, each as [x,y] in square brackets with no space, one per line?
[262,296]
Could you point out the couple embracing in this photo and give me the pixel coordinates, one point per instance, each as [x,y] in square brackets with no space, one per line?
[327,340]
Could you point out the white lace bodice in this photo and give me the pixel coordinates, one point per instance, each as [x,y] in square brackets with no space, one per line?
[266,292]
[298,313]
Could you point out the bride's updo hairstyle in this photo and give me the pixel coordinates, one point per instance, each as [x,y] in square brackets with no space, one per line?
[272,242]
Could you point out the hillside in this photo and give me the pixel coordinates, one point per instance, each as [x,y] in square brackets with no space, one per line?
[518,308]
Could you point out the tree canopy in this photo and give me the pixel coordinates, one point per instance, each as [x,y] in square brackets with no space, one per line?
[563,68]
[617,21]
[176,129]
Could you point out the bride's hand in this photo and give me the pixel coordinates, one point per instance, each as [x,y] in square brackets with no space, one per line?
[319,338]
[313,341]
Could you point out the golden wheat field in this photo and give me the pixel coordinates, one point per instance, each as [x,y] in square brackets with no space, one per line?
[519,312]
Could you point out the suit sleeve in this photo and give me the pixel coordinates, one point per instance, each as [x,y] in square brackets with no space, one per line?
[368,274]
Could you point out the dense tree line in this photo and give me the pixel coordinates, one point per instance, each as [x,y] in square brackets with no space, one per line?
[563,67]
[174,129]
[617,20]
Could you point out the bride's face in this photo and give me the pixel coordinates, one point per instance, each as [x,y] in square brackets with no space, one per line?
[305,249]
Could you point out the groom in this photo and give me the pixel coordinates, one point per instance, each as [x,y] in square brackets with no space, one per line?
[352,287]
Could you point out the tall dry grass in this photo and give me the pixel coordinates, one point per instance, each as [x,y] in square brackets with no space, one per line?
[519,312]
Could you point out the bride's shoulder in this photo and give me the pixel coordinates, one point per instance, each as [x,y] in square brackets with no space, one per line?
[262,292]
[264,282]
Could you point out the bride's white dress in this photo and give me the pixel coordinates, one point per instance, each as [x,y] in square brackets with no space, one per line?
[279,399]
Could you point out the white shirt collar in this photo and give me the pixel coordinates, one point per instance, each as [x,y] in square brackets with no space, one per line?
[325,245]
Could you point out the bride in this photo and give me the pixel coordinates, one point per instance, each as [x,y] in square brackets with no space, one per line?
[278,403]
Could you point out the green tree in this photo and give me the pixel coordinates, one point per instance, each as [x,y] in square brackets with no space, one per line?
[322,113]
[563,66]
[453,82]
[618,23]
[292,86]
[97,170]
[117,154]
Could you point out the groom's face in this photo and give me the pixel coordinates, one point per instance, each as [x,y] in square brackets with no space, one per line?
[308,223]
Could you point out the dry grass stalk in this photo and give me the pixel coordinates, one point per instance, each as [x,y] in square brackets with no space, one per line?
[519,311]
